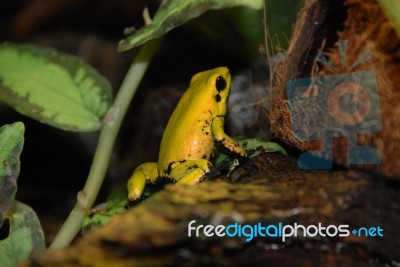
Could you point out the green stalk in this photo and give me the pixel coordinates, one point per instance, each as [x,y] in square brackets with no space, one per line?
[109,131]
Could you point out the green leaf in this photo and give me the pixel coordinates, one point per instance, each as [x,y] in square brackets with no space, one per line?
[116,203]
[259,145]
[392,11]
[11,143]
[25,236]
[173,13]
[254,147]
[53,87]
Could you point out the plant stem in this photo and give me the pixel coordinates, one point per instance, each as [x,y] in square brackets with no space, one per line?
[109,131]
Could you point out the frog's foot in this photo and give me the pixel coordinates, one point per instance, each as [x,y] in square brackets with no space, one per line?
[217,127]
[191,171]
[144,172]
[232,145]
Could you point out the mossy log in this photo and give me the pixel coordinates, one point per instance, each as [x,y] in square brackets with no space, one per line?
[269,189]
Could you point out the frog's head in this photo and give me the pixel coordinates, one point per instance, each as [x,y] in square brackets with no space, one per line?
[215,87]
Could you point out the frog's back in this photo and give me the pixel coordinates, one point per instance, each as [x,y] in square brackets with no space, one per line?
[188,134]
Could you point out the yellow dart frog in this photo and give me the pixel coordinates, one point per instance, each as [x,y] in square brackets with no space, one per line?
[191,135]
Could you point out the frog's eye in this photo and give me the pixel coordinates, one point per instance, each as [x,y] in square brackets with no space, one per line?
[220,83]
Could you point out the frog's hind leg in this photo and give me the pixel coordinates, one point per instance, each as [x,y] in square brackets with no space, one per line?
[191,171]
[144,172]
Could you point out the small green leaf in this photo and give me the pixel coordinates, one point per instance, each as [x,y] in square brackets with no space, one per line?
[11,143]
[25,236]
[116,203]
[173,13]
[392,11]
[258,145]
[254,147]
[53,87]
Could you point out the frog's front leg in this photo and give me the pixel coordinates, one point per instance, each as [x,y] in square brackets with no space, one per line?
[190,171]
[144,172]
[217,127]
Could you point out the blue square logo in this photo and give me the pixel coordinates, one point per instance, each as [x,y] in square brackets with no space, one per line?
[324,107]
